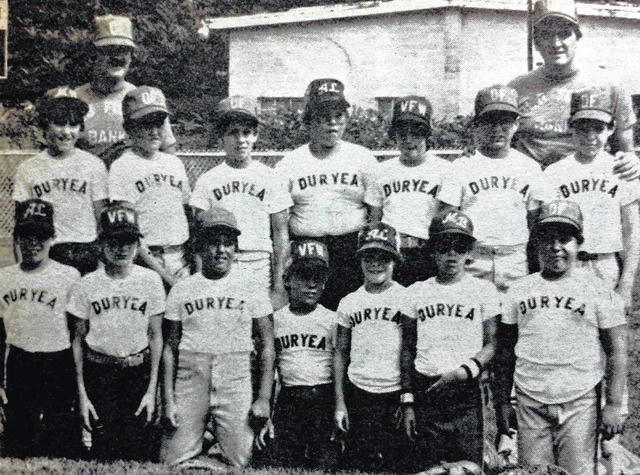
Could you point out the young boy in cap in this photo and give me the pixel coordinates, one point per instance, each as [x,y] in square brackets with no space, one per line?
[113,48]
[367,356]
[305,334]
[494,186]
[256,195]
[569,333]
[117,317]
[448,340]
[72,180]
[38,388]
[608,204]
[327,179]
[210,320]
[154,183]
[406,188]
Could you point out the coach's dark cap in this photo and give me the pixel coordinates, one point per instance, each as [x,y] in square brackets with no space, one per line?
[218,218]
[323,93]
[119,220]
[34,217]
[451,223]
[412,110]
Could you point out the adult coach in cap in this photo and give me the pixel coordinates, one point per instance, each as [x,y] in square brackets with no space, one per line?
[211,318]
[116,313]
[113,48]
[72,180]
[327,181]
[39,382]
[545,93]
[406,188]
[254,193]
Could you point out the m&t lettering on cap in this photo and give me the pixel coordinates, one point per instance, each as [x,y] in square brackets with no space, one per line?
[457,219]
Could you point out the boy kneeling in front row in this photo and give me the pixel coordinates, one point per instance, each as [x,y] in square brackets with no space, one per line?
[568,332]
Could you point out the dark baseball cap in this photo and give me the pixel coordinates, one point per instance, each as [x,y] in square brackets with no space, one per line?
[142,101]
[496,98]
[34,217]
[560,212]
[217,217]
[596,104]
[451,223]
[325,92]
[119,220]
[379,236]
[412,109]
[61,101]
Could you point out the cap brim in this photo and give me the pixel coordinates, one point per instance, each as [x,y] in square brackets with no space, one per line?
[453,232]
[380,246]
[146,111]
[593,114]
[328,102]
[115,42]
[500,107]
[236,115]
[225,226]
[32,228]
[308,262]
[409,118]
[121,232]
[557,220]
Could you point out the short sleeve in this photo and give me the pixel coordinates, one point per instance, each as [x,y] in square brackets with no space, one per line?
[120,188]
[199,198]
[173,303]
[99,187]
[157,296]
[510,308]
[168,139]
[630,192]
[78,304]
[610,310]
[492,305]
[451,190]
[20,185]
[280,198]
[259,304]
[186,189]
[624,115]
[373,195]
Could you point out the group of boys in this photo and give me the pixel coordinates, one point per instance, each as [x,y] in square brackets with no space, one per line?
[389,381]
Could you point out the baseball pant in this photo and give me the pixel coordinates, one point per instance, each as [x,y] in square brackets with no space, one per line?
[374,439]
[303,421]
[84,256]
[41,393]
[418,265]
[217,386]
[345,275]
[448,423]
[116,393]
[562,434]
[501,265]
[256,266]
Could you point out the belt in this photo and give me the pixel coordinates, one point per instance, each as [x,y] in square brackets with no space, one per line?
[411,242]
[159,250]
[499,250]
[130,361]
[585,256]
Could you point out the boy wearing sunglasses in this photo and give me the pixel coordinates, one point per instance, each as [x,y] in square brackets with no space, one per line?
[609,204]
[447,341]
[154,183]
[72,180]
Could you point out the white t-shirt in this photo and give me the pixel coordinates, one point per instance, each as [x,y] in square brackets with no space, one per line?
[304,345]
[559,356]
[252,194]
[407,195]
[376,337]
[328,193]
[496,194]
[103,122]
[599,193]
[158,188]
[32,306]
[450,321]
[217,314]
[118,310]
[71,185]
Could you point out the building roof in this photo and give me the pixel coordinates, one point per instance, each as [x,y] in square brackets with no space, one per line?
[393,7]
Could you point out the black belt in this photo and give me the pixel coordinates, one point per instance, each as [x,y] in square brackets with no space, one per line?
[130,361]
[587,256]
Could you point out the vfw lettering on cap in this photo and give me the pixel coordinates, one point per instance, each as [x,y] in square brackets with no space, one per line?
[121,215]
[310,249]
[415,106]
[35,209]
[329,87]
[500,94]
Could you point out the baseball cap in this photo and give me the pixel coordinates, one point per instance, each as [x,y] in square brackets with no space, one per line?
[119,220]
[142,101]
[218,217]
[597,103]
[559,212]
[565,9]
[308,253]
[379,236]
[113,30]
[413,109]
[451,223]
[34,216]
[243,107]
[325,92]
[62,97]
[496,98]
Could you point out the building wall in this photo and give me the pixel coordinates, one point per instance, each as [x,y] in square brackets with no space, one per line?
[445,54]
